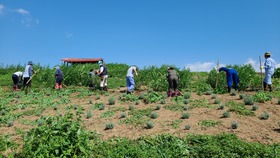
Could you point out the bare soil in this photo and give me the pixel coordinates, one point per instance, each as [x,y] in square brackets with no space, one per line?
[250,128]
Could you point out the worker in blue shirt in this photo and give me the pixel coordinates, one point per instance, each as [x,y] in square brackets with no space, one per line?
[232,76]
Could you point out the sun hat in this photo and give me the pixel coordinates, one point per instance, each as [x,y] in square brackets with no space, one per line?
[267,54]
[30,63]
[100,62]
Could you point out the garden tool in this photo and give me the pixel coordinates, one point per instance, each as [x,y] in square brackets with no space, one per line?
[32,76]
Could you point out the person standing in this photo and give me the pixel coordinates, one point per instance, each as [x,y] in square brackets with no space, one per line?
[58,78]
[103,74]
[269,67]
[173,81]
[27,76]
[17,76]
[130,84]
[232,76]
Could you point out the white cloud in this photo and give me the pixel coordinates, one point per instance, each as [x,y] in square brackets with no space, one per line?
[254,64]
[278,65]
[1,8]
[198,66]
[22,11]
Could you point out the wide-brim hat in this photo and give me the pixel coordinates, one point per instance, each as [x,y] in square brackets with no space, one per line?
[30,63]
[267,54]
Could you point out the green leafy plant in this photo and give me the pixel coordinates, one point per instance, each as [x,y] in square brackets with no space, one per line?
[123,115]
[255,107]
[89,115]
[226,115]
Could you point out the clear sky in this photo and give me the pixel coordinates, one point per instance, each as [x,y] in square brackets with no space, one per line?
[184,33]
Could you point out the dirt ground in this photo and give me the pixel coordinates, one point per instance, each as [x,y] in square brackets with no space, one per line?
[250,128]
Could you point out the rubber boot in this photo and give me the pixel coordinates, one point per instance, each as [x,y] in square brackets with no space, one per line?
[229,89]
[236,88]
[169,94]
[270,88]
[14,88]
[175,93]
[56,86]
[60,86]
[264,86]
[105,88]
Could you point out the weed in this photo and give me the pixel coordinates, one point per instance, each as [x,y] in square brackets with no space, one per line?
[242,96]
[209,123]
[185,107]
[97,97]
[175,124]
[40,122]
[239,109]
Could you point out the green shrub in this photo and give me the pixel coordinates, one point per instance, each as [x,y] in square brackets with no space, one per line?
[187,95]
[186,101]
[185,115]
[242,96]
[162,101]
[111,100]
[123,115]
[89,114]
[248,100]
[226,115]
[234,125]
[221,107]
[131,107]
[10,123]
[217,101]
[188,127]
[150,125]
[154,115]
[264,116]
[255,107]
[109,126]
[158,107]
[214,96]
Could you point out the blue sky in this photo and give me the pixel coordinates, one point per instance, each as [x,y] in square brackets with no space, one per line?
[184,33]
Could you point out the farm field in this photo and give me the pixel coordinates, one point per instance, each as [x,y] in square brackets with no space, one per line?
[114,114]
[80,122]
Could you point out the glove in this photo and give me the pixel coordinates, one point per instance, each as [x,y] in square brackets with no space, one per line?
[261,67]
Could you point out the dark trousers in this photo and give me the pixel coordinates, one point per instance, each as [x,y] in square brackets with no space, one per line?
[172,84]
[15,79]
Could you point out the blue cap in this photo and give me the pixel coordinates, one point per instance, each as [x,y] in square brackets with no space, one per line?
[100,62]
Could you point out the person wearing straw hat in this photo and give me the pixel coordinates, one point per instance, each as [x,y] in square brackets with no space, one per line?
[173,81]
[103,73]
[269,67]
[58,78]
[232,76]
[27,76]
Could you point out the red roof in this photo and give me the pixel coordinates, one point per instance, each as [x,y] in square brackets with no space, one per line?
[81,60]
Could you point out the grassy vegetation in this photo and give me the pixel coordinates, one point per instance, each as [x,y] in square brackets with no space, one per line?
[63,134]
